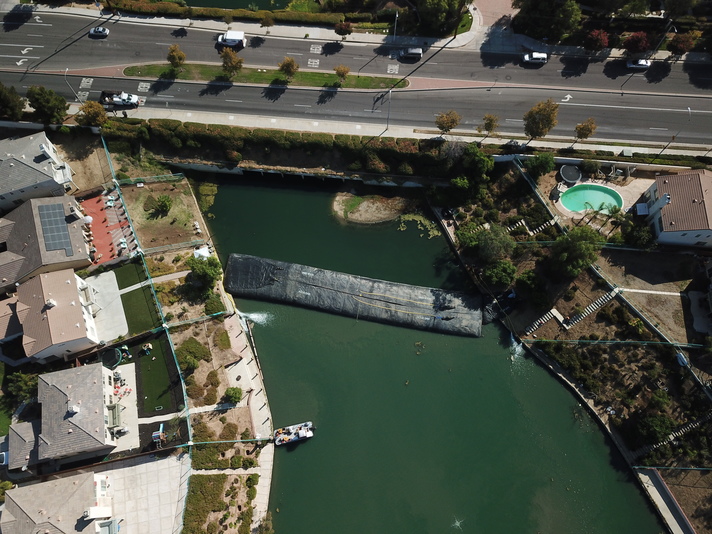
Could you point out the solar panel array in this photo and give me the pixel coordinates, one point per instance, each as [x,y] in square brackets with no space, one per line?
[54,228]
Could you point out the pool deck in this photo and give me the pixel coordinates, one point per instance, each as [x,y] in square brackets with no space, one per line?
[629,193]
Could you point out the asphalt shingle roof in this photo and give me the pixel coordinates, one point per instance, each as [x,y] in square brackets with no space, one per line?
[690,206]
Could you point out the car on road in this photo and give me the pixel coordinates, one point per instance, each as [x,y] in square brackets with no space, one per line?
[638,64]
[99,32]
[535,58]
[232,38]
[411,53]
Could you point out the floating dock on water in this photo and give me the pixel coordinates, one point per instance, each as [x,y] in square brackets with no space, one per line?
[418,307]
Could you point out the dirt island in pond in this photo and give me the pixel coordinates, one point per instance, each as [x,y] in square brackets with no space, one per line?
[370,209]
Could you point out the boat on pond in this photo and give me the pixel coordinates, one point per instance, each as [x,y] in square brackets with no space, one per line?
[294,433]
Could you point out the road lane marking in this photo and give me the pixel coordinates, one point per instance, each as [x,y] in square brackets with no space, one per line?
[22,57]
[372,110]
[634,107]
[654,128]
[34,35]
[237,101]
[23,46]
[302,106]
[514,120]
[294,54]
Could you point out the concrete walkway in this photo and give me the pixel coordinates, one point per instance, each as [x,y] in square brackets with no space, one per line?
[157,280]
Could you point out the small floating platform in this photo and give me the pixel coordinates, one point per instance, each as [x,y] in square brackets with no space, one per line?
[294,433]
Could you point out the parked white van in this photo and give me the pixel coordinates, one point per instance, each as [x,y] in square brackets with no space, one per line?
[232,38]
[535,57]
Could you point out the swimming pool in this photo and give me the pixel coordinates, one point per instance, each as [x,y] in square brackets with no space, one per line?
[591,197]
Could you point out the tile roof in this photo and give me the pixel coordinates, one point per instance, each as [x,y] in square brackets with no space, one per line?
[54,313]
[65,433]
[55,506]
[690,206]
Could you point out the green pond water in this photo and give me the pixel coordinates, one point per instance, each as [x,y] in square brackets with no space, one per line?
[480,439]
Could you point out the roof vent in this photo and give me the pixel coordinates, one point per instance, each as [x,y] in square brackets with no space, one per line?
[51,303]
[70,431]
[672,223]
[73,408]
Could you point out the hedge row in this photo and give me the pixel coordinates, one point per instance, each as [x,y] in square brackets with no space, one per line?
[229,143]
[172,9]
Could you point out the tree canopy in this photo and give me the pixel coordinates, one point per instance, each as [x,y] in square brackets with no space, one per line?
[585,129]
[681,43]
[547,18]
[23,386]
[540,119]
[50,107]
[447,120]
[493,244]
[12,104]
[540,165]
[490,123]
[597,40]
[500,273]
[575,251]
[343,29]
[231,62]
[205,271]
[91,113]
[477,164]
[176,57]
[637,43]
[288,67]
[342,71]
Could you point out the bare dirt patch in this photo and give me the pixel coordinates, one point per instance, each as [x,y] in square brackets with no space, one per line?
[87,158]
[178,226]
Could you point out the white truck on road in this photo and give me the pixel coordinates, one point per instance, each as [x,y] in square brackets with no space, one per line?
[118,99]
[232,38]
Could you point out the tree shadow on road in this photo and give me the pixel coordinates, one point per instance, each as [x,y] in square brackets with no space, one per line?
[699,74]
[180,32]
[256,41]
[216,86]
[16,17]
[327,94]
[615,69]
[160,85]
[334,47]
[658,71]
[274,92]
[574,66]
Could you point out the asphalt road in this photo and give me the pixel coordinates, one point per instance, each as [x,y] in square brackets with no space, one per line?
[650,106]
[57,42]
[628,116]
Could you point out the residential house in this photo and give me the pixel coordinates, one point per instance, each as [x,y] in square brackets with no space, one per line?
[77,503]
[679,208]
[31,167]
[42,235]
[80,412]
[54,313]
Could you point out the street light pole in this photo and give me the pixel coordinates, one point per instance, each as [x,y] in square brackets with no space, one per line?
[395,27]
[70,86]
[388,118]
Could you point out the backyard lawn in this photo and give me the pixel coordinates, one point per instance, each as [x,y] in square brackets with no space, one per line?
[155,380]
[129,274]
[140,310]
[5,406]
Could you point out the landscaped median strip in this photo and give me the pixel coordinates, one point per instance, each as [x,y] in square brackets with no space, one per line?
[214,74]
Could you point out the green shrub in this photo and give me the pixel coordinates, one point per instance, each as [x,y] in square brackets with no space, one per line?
[229,432]
[212,379]
[214,305]
[191,347]
[233,395]
[252,480]
[211,396]
[236,462]
[204,497]
[251,493]
[222,339]
[248,462]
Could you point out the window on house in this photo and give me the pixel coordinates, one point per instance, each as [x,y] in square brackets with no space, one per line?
[683,235]
[700,243]
[698,235]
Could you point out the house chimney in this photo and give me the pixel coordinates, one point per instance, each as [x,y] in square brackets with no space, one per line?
[51,303]
[73,409]
[660,203]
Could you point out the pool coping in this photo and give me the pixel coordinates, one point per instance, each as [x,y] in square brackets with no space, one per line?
[590,183]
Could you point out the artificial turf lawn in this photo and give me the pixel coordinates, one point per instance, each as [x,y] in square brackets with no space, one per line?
[140,310]
[155,381]
[129,274]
